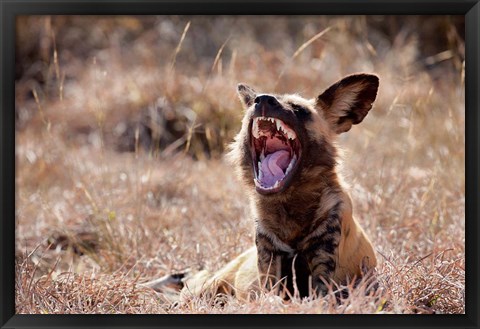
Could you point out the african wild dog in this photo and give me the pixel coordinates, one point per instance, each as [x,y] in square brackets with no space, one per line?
[286,156]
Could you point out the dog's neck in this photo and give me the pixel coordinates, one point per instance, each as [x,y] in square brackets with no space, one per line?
[296,212]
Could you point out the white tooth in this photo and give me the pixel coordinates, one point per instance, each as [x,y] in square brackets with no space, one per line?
[278,124]
[262,155]
[288,168]
[255,128]
[290,165]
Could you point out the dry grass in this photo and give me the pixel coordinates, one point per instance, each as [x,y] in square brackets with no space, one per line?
[93,222]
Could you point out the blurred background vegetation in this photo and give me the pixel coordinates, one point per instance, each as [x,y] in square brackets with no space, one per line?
[169,82]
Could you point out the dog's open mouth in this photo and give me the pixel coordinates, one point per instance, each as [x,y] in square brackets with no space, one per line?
[275,151]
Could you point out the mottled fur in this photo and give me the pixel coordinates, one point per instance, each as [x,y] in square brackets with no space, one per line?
[305,235]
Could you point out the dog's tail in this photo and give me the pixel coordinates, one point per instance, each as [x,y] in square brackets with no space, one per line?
[170,283]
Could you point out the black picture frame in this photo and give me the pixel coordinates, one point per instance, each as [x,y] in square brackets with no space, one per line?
[9,9]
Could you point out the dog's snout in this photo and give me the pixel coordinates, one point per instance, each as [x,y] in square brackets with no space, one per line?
[263,100]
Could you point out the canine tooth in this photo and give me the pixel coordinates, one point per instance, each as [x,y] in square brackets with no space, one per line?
[262,155]
[255,132]
[288,168]
[291,164]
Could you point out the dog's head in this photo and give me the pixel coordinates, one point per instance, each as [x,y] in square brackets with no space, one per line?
[284,136]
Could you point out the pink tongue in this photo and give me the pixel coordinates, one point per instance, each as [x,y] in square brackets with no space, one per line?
[273,167]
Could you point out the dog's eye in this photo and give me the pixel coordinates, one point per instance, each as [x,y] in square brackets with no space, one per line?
[299,110]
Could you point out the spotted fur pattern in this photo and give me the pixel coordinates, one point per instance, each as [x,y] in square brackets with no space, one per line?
[311,221]
[305,236]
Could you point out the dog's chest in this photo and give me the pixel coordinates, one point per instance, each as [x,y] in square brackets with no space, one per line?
[289,223]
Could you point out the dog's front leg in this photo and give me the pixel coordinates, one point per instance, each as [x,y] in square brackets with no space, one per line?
[269,261]
[321,252]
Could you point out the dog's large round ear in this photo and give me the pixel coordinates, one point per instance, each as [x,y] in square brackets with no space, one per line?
[347,102]
[247,94]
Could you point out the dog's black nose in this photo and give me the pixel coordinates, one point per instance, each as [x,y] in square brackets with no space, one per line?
[262,100]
